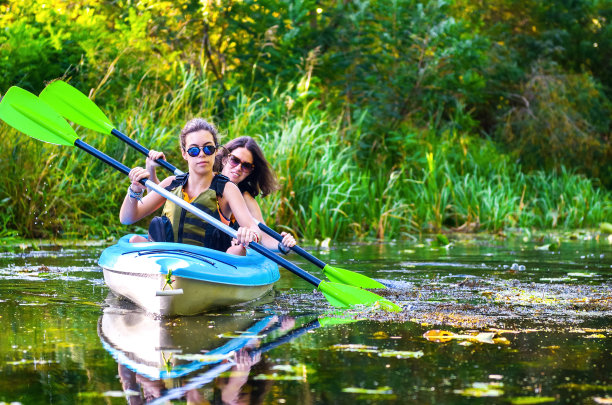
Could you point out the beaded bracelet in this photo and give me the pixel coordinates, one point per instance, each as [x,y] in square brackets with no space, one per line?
[135,195]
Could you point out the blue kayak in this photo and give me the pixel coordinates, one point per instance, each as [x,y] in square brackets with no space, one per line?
[171,279]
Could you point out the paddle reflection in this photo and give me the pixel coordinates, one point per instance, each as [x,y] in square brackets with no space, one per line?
[162,359]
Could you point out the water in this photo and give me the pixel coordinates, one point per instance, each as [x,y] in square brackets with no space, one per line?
[484,321]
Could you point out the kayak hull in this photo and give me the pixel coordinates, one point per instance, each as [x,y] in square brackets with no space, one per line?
[171,279]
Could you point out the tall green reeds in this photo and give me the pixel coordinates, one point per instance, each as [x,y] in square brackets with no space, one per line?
[331,186]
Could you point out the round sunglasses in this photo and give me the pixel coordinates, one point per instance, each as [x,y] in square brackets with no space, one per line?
[246,166]
[208,150]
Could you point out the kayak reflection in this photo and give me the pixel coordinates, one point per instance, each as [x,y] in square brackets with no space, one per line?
[156,357]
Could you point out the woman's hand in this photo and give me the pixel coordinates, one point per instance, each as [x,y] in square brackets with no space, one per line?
[153,156]
[152,164]
[135,175]
[245,235]
[288,240]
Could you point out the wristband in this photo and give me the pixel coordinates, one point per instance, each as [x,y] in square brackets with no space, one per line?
[135,195]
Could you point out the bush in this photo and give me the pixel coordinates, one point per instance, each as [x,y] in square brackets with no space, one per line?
[559,120]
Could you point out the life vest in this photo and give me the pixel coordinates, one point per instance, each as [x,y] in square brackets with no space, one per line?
[190,229]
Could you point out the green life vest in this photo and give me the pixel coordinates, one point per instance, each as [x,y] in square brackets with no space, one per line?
[187,227]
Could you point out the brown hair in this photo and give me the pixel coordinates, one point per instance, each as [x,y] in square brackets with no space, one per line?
[262,179]
[198,124]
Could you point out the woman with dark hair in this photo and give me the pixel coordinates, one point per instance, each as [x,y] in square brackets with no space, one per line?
[244,163]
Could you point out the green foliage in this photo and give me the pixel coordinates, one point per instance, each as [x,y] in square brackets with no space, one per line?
[555,121]
[379,117]
[548,80]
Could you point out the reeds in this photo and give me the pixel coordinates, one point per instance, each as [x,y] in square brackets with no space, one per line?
[330,187]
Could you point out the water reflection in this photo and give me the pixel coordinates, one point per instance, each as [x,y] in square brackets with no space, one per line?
[159,359]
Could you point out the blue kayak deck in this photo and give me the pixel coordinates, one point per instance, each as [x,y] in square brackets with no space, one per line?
[189,261]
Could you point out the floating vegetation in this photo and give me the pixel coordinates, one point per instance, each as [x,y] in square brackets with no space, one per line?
[355,348]
[482,389]
[588,275]
[471,313]
[369,391]
[298,372]
[531,400]
[586,387]
[401,354]
[441,336]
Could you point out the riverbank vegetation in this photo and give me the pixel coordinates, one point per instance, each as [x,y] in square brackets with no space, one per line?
[382,119]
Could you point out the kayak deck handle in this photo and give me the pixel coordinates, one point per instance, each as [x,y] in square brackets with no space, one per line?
[165,293]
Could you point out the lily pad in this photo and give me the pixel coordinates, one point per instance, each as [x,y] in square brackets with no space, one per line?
[377,391]
[355,348]
[481,389]
[441,336]
[401,354]
[587,275]
[531,400]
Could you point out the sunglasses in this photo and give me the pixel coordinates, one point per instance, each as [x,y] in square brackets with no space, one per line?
[246,166]
[208,150]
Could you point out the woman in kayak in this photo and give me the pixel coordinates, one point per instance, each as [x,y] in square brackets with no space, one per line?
[201,186]
[243,162]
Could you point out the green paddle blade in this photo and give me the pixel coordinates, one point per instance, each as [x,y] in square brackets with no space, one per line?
[343,296]
[28,114]
[343,276]
[336,320]
[76,106]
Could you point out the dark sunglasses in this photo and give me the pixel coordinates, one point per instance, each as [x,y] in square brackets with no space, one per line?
[208,150]
[246,166]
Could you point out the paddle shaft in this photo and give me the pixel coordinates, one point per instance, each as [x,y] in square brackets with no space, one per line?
[198,212]
[214,372]
[295,248]
[261,225]
[145,151]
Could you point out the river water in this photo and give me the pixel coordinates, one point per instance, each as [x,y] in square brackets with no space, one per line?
[484,320]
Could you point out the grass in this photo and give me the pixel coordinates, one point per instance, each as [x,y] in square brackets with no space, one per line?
[332,187]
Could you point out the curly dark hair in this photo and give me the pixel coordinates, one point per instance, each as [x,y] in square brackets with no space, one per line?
[262,179]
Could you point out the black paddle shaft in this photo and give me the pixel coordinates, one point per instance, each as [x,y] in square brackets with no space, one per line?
[143,150]
[205,378]
[295,248]
[105,158]
[253,245]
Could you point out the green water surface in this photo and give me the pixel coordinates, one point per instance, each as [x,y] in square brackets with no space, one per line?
[485,320]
